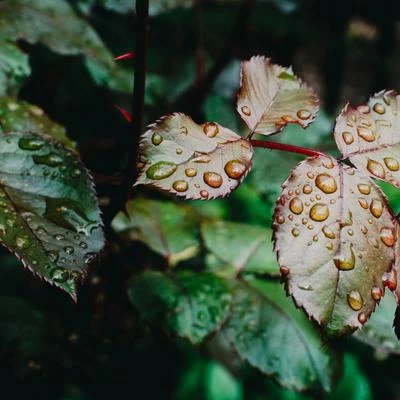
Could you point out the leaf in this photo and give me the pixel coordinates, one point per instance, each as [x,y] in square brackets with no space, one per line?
[369,136]
[168,229]
[378,331]
[161,6]
[334,236]
[188,304]
[16,115]
[119,6]
[49,217]
[272,96]
[14,68]
[266,330]
[195,161]
[247,248]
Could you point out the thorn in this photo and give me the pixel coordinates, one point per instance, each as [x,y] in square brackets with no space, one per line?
[124,113]
[126,56]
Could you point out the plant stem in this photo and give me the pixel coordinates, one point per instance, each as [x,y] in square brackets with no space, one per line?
[287,147]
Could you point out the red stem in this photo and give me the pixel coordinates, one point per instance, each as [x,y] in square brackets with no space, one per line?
[286,147]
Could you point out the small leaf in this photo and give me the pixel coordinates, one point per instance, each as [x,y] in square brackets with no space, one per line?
[334,235]
[188,304]
[20,116]
[266,330]
[378,331]
[14,68]
[195,161]
[168,229]
[247,248]
[272,96]
[369,136]
[49,217]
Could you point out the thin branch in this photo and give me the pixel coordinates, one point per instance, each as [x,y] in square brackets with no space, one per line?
[287,147]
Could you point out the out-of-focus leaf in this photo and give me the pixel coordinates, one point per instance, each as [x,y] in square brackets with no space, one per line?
[208,380]
[247,248]
[195,161]
[14,68]
[167,228]
[370,137]
[271,96]
[49,216]
[334,235]
[187,304]
[21,116]
[119,6]
[161,6]
[266,330]
[378,331]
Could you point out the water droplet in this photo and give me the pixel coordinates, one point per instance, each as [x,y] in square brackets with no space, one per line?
[319,212]
[178,151]
[246,110]
[347,137]
[35,110]
[370,221]
[307,189]
[390,279]
[59,237]
[315,238]
[69,250]
[391,163]
[211,129]
[190,172]
[76,173]
[379,108]
[295,232]
[161,170]
[22,242]
[366,134]
[362,318]
[318,197]
[288,118]
[204,194]
[296,206]
[364,229]
[30,143]
[180,186]
[202,159]
[387,237]
[235,169]
[304,221]
[89,257]
[376,208]
[329,246]
[310,227]
[376,293]
[364,188]
[280,219]
[326,183]
[310,175]
[52,160]
[212,179]
[376,168]
[156,139]
[350,232]
[303,114]
[83,245]
[363,203]
[355,300]
[346,263]
[284,271]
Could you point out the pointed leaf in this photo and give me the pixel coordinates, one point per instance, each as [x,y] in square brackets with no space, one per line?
[168,229]
[334,235]
[266,330]
[20,116]
[272,96]
[195,161]
[247,248]
[188,304]
[369,136]
[49,217]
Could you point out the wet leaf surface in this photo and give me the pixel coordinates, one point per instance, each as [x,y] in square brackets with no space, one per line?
[334,235]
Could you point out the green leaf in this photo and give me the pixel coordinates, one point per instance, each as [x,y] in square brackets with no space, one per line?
[20,116]
[119,6]
[334,235]
[49,216]
[247,248]
[195,161]
[187,304]
[168,229]
[378,331]
[14,68]
[267,331]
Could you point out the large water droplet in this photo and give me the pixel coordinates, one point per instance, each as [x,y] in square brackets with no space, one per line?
[211,129]
[180,186]
[347,137]
[280,219]
[30,143]
[212,179]
[355,300]
[246,110]
[296,206]
[303,114]
[307,189]
[363,203]
[379,108]
[161,170]
[328,232]
[376,168]
[202,158]
[365,133]
[235,169]
[376,293]
[190,172]
[319,212]
[52,160]
[387,237]
[364,188]
[156,139]
[346,263]
[376,208]
[295,232]
[391,163]
[326,183]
